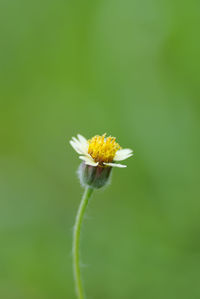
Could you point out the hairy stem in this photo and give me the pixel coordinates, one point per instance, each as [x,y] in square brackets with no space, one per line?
[76,242]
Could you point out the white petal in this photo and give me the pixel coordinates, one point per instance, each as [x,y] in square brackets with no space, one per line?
[122,157]
[115,165]
[88,161]
[78,146]
[75,140]
[84,143]
[82,139]
[91,163]
[75,147]
[123,154]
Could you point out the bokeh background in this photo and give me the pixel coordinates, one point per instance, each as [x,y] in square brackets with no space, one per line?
[128,68]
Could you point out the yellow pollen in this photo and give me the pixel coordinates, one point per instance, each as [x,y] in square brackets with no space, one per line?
[102,148]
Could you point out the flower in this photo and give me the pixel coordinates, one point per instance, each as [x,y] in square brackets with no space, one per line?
[100,151]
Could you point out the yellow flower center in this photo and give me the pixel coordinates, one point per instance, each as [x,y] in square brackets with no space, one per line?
[103,149]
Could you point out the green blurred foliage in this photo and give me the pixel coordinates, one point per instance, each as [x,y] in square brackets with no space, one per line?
[128,68]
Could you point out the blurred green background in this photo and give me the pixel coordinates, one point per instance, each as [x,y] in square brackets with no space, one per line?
[128,68]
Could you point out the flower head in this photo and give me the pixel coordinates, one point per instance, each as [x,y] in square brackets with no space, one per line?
[100,151]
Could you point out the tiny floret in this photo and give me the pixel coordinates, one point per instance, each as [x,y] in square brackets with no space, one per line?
[103,149]
[99,155]
[100,151]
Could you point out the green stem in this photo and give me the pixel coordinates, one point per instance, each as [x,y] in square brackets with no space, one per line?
[76,242]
